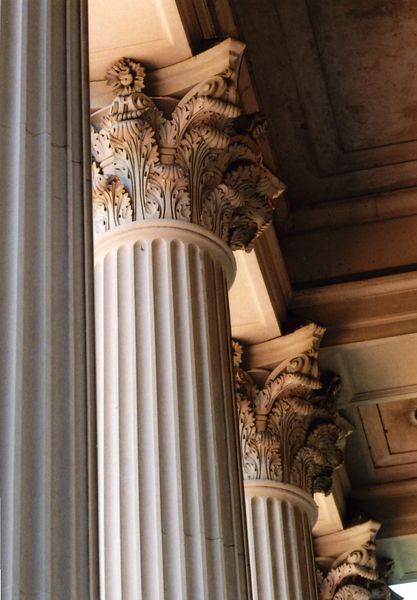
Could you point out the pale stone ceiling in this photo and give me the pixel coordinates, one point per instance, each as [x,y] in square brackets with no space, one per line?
[150,30]
[338,84]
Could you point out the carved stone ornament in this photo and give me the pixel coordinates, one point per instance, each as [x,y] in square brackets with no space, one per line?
[354,576]
[170,159]
[290,431]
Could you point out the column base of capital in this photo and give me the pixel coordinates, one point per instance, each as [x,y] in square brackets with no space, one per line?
[284,492]
[169,230]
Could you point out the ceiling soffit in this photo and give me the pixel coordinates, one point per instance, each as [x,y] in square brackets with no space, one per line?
[341,53]
[151,31]
[340,126]
[379,396]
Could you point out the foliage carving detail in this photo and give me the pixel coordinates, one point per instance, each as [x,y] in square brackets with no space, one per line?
[290,430]
[185,163]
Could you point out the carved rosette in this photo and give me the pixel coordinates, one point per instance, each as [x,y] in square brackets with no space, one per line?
[185,163]
[355,575]
[290,431]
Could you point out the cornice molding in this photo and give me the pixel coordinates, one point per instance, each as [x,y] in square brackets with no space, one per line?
[393,504]
[352,211]
[290,431]
[191,160]
[361,310]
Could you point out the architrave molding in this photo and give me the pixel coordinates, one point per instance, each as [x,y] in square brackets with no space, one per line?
[393,504]
[361,310]
[352,211]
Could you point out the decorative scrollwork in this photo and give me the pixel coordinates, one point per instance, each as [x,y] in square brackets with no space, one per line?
[290,430]
[189,166]
[355,574]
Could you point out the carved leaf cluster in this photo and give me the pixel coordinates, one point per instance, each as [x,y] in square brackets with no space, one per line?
[353,577]
[111,203]
[186,165]
[289,429]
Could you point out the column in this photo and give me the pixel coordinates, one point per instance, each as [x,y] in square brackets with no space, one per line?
[46,362]
[291,439]
[348,567]
[173,193]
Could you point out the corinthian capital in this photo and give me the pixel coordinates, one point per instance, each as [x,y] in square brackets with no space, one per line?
[348,567]
[185,160]
[290,431]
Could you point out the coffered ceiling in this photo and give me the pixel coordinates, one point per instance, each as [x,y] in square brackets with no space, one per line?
[340,125]
[338,84]
[379,397]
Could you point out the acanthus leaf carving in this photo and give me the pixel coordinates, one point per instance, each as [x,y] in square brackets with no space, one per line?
[352,592]
[296,435]
[357,567]
[186,163]
[167,194]
[355,574]
[112,205]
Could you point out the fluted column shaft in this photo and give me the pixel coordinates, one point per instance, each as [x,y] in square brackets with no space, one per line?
[46,284]
[280,518]
[170,494]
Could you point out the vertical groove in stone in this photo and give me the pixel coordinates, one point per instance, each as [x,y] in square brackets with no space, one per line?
[99,333]
[111,426]
[311,582]
[193,569]
[128,490]
[171,333]
[45,327]
[147,409]
[203,395]
[168,421]
[237,497]
[279,535]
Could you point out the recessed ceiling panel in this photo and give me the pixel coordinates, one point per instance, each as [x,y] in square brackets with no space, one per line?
[391,433]
[367,54]
[355,68]
[338,82]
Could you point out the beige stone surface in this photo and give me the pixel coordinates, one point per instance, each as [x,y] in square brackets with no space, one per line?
[169,487]
[118,29]
[47,403]
[341,119]
[253,317]
[280,518]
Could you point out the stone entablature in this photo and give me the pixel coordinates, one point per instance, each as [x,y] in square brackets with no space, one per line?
[184,160]
[290,430]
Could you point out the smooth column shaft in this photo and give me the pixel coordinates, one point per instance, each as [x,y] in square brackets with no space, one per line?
[170,494]
[279,519]
[46,286]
